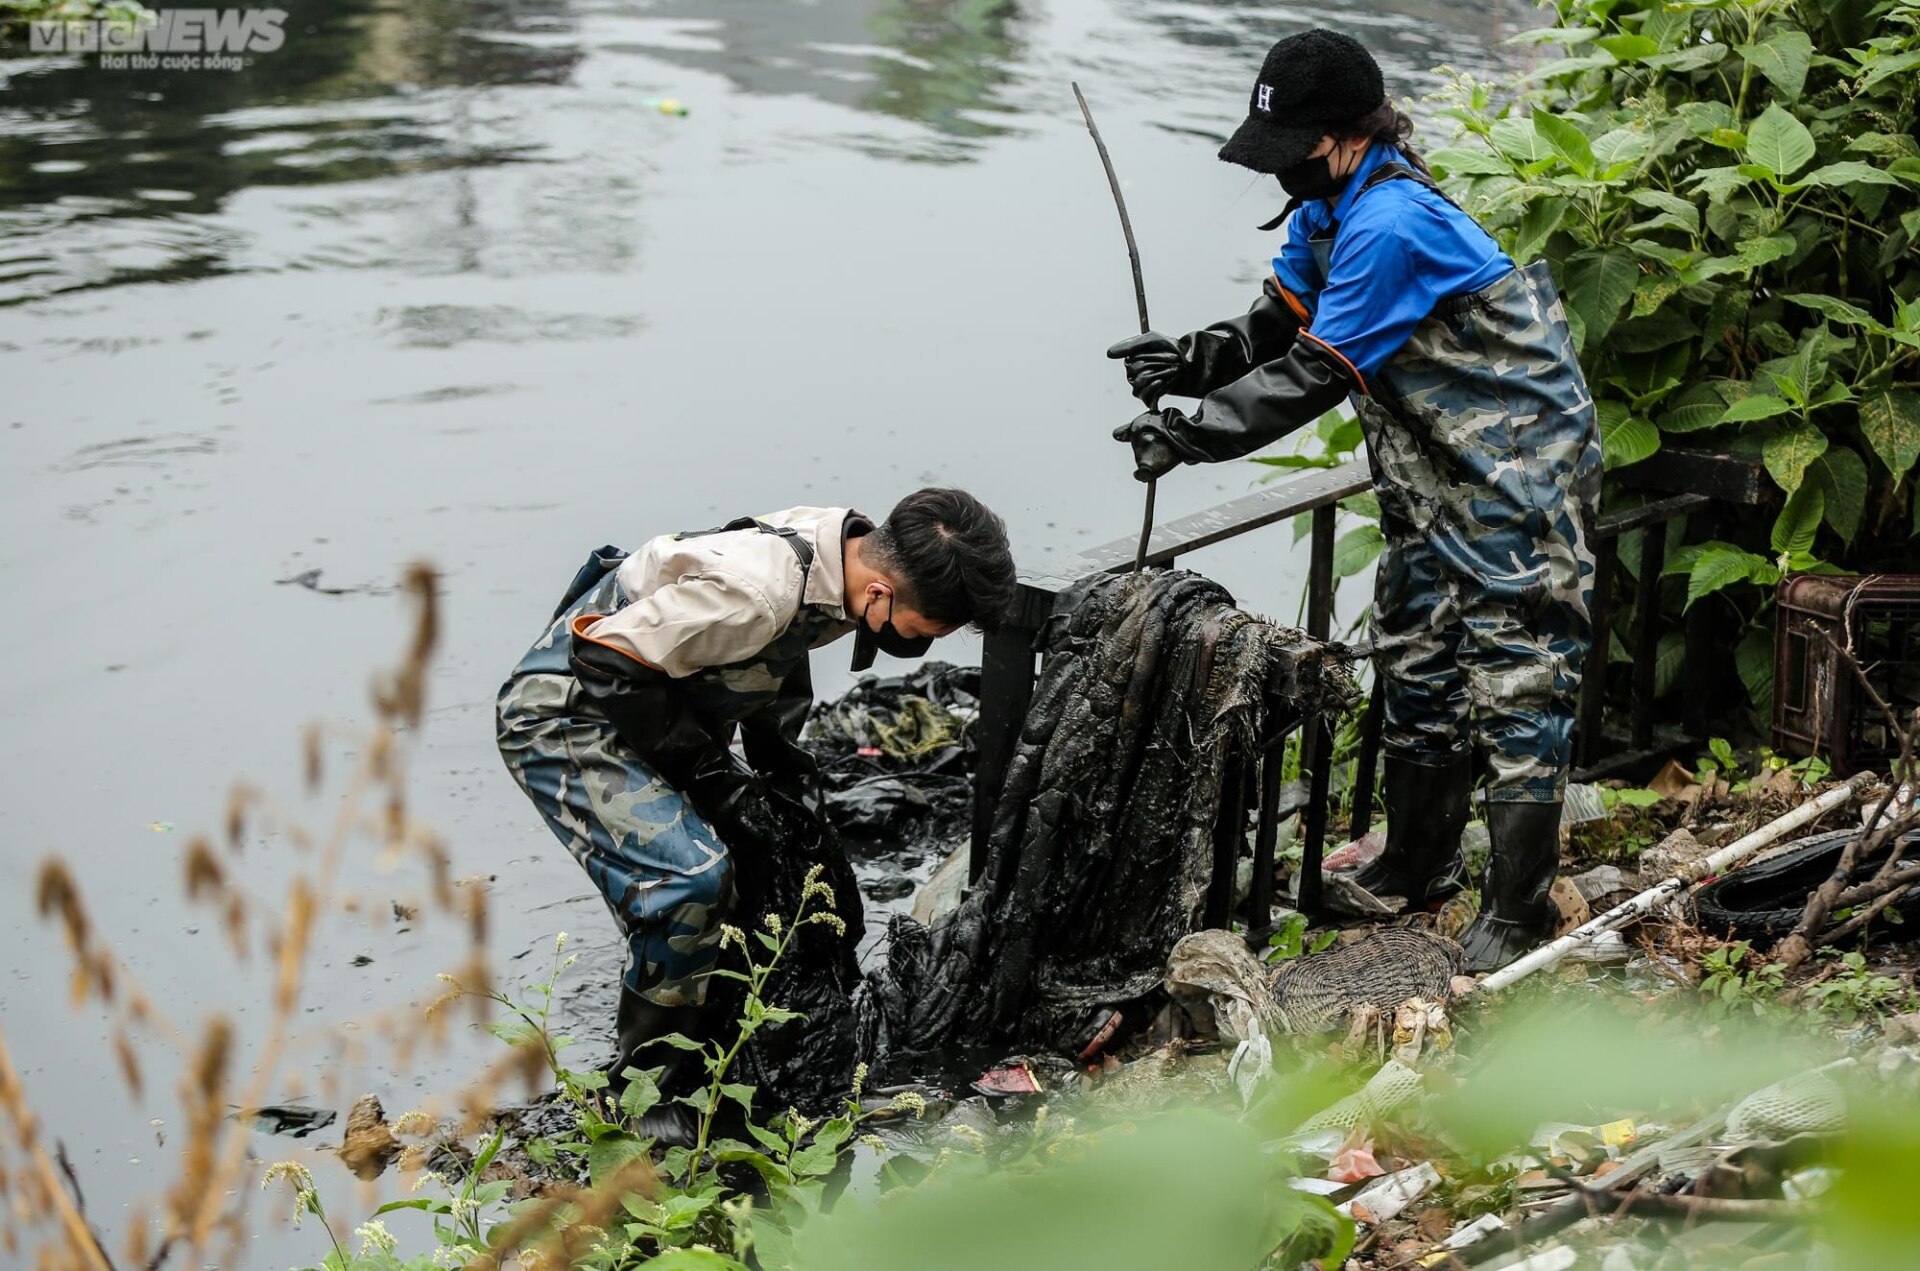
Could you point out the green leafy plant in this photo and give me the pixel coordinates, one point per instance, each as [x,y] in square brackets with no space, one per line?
[1853,992]
[1290,941]
[1734,987]
[1729,195]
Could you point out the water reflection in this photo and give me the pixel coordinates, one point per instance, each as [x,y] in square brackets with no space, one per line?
[113,177]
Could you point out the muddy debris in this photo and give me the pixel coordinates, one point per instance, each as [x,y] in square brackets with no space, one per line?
[369,1145]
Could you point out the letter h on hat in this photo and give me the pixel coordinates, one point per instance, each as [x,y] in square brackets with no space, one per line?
[1313,84]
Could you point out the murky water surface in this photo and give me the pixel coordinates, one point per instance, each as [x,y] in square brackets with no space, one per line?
[440,279]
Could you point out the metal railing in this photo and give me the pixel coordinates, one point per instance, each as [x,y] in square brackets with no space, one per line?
[1008,658]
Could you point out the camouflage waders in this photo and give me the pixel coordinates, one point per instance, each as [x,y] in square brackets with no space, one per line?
[659,863]
[1486,462]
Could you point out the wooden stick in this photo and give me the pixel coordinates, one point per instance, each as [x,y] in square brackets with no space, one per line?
[1139,298]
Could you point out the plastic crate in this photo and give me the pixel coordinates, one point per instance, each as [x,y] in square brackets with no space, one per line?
[1819,706]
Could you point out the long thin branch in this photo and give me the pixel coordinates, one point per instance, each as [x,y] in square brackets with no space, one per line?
[1799,945]
[80,1238]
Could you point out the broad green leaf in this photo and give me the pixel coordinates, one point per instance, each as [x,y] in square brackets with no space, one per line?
[1468,161]
[1898,64]
[1788,452]
[1753,659]
[1718,183]
[1622,145]
[1629,48]
[606,1154]
[1600,282]
[1716,569]
[1798,376]
[641,1093]
[1684,214]
[1752,407]
[1566,140]
[1887,145]
[1536,226]
[1849,173]
[1645,335]
[1838,310]
[1842,476]
[1696,57]
[1652,291]
[1669,660]
[1696,408]
[1566,35]
[1519,141]
[1356,549]
[1780,141]
[1799,520]
[1891,421]
[1625,438]
[1783,57]
[1764,251]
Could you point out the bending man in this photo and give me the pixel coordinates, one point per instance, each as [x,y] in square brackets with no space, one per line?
[619,722]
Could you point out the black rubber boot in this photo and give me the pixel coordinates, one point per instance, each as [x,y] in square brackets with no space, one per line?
[1516,914]
[1426,814]
[639,1022]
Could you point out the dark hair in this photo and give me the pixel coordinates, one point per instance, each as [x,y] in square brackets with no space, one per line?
[1389,124]
[949,556]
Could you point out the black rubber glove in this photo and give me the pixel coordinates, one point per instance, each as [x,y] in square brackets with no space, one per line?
[1260,407]
[770,737]
[1196,364]
[1146,433]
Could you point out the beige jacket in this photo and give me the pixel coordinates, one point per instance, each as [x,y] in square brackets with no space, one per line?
[716,599]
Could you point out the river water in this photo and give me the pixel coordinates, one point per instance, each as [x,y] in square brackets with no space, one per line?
[439,280]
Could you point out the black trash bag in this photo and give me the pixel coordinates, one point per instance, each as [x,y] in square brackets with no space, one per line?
[805,1062]
[1153,703]
[896,754]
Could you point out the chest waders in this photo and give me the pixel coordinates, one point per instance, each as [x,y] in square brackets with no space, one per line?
[633,771]
[1486,462]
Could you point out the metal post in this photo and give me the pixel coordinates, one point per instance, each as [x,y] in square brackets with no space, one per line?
[1318,754]
[1006,690]
[1229,836]
[1371,726]
[1266,838]
[1702,658]
[1646,612]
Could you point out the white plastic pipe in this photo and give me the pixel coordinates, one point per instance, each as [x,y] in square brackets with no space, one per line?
[1719,862]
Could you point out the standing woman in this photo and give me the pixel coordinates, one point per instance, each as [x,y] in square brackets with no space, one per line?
[1485,458]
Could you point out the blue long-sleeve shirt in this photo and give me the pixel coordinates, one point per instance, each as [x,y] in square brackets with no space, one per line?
[1400,251]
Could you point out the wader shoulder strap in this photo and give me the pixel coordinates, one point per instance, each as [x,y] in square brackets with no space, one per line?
[1392,171]
[802,550]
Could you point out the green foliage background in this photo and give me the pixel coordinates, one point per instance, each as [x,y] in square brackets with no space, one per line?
[1729,194]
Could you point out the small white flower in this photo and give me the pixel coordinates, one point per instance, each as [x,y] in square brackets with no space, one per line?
[560,942]
[428,1176]
[732,935]
[859,1079]
[910,1101]
[374,1236]
[774,924]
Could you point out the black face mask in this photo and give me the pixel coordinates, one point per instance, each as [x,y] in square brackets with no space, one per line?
[1311,179]
[888,640]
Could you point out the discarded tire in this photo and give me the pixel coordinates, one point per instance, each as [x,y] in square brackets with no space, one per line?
[1764,902]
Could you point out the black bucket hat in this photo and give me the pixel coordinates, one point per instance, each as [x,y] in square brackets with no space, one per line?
[1312,84]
